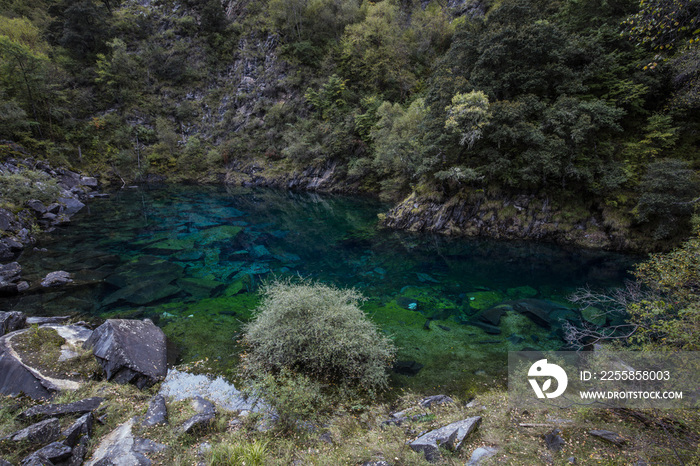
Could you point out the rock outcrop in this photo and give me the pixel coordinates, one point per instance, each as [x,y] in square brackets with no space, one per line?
[130,351]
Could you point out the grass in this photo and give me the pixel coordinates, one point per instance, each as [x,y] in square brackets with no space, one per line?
[357,436]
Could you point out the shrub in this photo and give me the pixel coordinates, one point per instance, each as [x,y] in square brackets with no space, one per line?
[318,331]
[17,188]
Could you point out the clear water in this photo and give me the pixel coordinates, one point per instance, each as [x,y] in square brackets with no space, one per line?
[190,258]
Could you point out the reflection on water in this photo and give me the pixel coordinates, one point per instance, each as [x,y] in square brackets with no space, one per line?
[190,258]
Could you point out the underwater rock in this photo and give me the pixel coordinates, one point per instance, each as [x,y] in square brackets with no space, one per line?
[521,292]
[200,287]
[493,315]
[188,256]
[130,351]
[407,303]
[450,436]
[142,293]
[593,315]
[424,277]
[58,278]
[538,310]
[259,251]
[483,299]
[488,328]
[409,368]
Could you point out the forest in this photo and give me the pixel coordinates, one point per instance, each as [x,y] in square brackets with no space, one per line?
[593,99]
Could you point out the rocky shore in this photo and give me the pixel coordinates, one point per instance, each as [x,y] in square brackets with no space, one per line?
[20,225]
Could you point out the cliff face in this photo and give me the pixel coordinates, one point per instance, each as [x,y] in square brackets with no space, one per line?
[517,217]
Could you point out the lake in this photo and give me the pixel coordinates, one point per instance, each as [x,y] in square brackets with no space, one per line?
[190,258]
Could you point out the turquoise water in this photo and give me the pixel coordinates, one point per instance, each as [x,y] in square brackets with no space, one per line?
[190,258]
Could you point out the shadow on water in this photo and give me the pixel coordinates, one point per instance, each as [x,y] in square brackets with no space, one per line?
[190,258]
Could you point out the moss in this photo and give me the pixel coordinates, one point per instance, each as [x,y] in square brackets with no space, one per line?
[483,299]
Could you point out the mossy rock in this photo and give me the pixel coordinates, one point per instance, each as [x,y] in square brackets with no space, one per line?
[482,300]
[429,301]
[593,315]
[241,285]
[521,292]
[171,246]
[200,287]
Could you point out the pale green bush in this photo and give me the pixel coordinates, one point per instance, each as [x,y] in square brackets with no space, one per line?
[18,188]
[319,331]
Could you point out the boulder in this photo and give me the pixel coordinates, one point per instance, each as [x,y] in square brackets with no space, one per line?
[47,320]
[407,367]
[11,321]
[450,436]
[52,410]
[37,206]
[436,400]
[157,412]
[197,422]
[80,428]
[9,276]
[9,249]
[130,351]
[79,451]
[554,440]
[120,447]
[537,310]
[480,454]
[7,221]
[488,328]
[54,452]
[493,315]
[57,278]
[40,433]
[71,205]
[89,181]
[183,385]
[16,378]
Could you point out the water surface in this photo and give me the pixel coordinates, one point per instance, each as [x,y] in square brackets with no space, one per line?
[191,258]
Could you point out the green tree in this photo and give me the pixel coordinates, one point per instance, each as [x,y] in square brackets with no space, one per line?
[467,115]
[668,194]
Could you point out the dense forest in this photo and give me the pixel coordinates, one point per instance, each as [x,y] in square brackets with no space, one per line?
[578,99]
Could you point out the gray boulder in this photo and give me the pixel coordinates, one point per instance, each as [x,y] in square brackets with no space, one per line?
[57,278]
[80,428]
[54,452]
[17,378]
[157,412]
[450,436]
[481,454]
[121,448]
[9,276]
[130,351]
[71,206]
[436,400]
[8,221]
[11,321]
[77,407]
[40,433]
[37,206]
[89,181]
